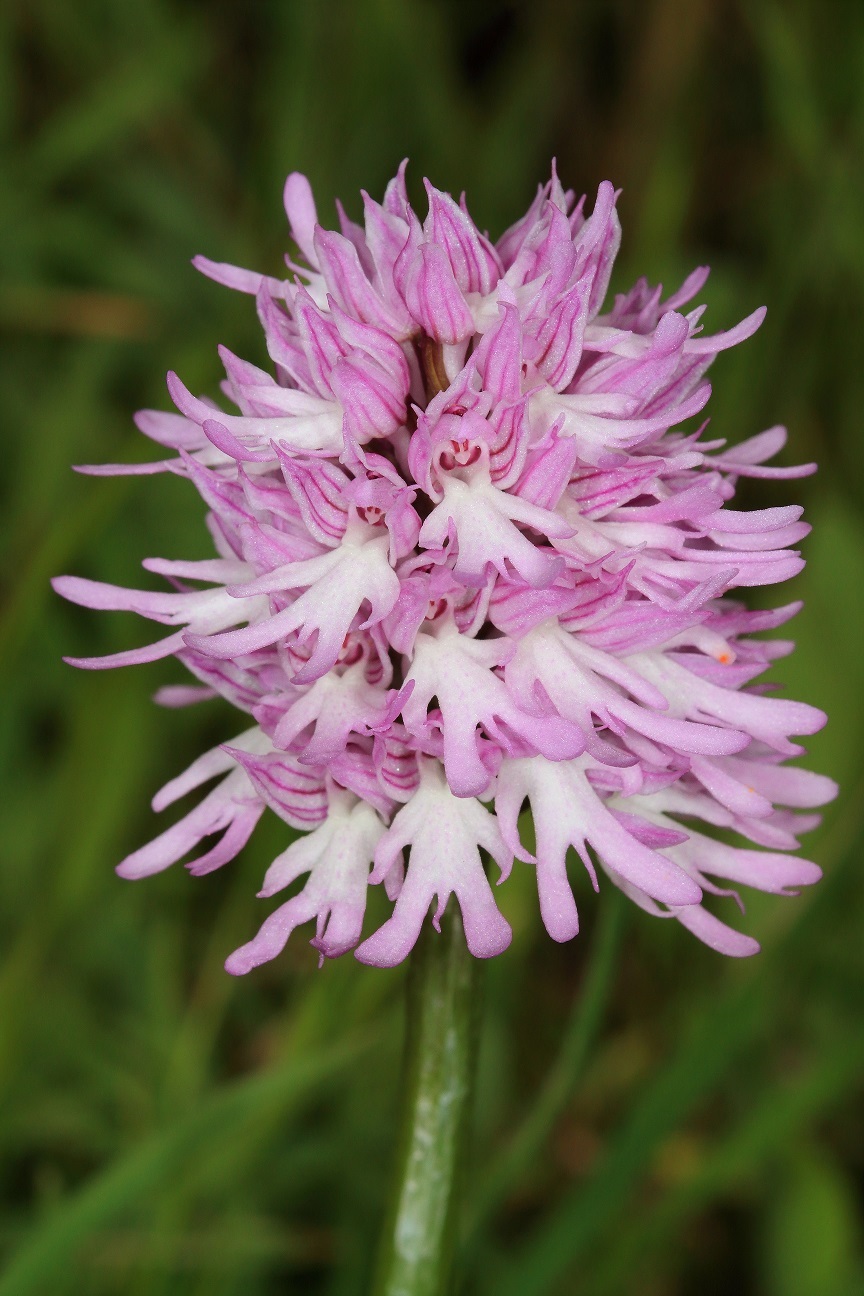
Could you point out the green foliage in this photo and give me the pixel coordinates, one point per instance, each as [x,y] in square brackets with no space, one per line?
[812,1244]
[167,1131]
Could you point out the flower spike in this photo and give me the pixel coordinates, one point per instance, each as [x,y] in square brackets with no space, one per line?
[469,551]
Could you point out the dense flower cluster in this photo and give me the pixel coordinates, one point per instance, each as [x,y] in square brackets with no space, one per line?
[465,558]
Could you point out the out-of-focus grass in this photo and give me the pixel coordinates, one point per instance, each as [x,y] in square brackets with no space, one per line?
[167,1130]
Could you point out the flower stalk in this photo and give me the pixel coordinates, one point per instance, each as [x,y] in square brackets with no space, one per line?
[440,1048]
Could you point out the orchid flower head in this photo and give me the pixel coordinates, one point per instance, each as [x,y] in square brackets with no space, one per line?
[472,561]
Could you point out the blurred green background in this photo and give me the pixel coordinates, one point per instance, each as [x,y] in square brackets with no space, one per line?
[697,1128]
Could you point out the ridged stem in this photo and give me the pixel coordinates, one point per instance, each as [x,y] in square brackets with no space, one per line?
[418,1242]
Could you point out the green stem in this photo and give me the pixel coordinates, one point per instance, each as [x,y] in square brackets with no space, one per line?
[440,1047]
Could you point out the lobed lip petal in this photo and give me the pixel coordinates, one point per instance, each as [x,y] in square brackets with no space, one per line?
[337,856]
[568,811]
[231,808]
[445,834]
